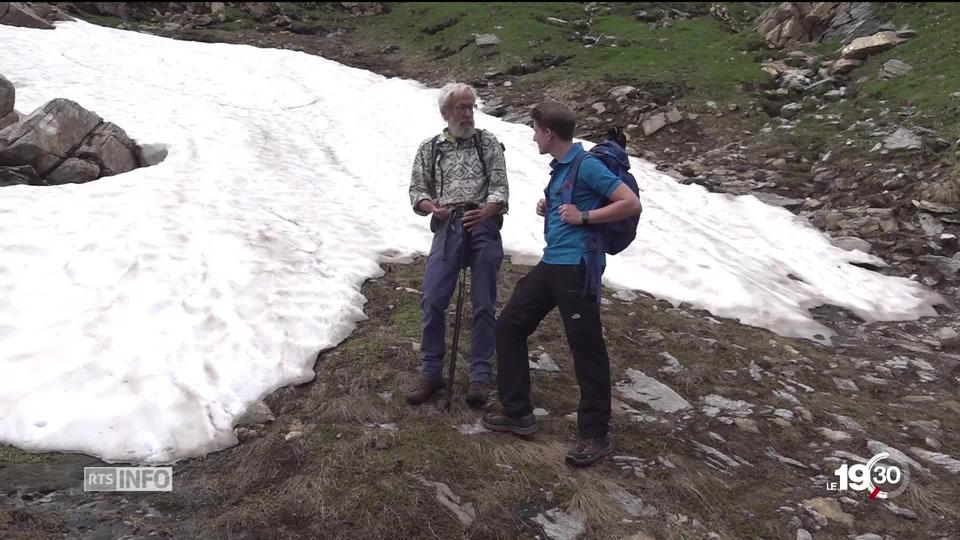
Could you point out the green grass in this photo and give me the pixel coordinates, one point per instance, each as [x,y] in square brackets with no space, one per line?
[15,456]
[699,54]
[360,347]
[933,55]
[830,47]
[935,76]
[235,19]
[406,318]
[102,20]
[696,53]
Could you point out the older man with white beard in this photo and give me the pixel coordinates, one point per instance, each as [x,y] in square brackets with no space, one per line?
[460,179]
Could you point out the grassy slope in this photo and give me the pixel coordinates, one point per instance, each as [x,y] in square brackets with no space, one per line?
[697,53]
[933,55]
[698,59]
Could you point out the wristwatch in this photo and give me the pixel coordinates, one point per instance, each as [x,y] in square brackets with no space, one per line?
[585,217]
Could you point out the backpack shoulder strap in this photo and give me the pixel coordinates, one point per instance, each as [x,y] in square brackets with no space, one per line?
[566,192]
[478,142]
[433,165]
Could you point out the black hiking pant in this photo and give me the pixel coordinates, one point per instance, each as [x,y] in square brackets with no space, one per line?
[536,294]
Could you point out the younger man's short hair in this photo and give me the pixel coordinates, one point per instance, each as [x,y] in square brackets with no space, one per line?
[556,117]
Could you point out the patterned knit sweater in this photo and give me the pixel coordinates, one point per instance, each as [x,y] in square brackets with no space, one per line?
[459,175]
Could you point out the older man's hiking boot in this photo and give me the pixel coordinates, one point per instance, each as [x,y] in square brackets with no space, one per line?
[526,425]
[478,394]
[589,451]
[424,391]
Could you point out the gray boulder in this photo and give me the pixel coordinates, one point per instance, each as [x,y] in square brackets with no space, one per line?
[894,68]
[111,148]
[863,47]
[8,95]
[9,120]
[20,14]
[45,138]
[62,142]
[74,170]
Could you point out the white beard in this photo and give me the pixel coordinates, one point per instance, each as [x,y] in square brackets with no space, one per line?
[464,132]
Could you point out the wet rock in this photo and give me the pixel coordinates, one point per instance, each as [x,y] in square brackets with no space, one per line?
[651,392]
[464,511]
[771,453]
[949,338]
[844,66]
[948,266]
[258,413]
[937,208]
[23,15]
[845,384]
[894,68]
[673,365]
[851,243]
[931,226]
[833,435]
[714,404]
[746,424]
[792,24]
[633,505]
[791,110]
[895,455]
[903,139]
[487,40]
[755,371]
[545,363]
[718,459]
[864,47]
[619,92]
[8,96]
[653,124]
[472,429]
[674,116]
[830,509]
[495,107]
[559,525]
[777,200]
[905,513]
[943,460]
[626,295]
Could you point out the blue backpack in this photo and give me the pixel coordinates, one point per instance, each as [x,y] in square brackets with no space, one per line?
[613,237]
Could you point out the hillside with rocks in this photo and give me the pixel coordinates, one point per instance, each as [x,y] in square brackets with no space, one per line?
[846,114]
[811,106]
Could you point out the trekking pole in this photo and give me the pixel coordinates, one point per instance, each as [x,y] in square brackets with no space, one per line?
[456,321]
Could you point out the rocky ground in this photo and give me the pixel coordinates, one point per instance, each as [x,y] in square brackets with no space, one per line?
[721,430]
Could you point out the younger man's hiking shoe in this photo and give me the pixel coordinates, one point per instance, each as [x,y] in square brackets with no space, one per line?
[526,425]
[424,391]
[478,395]
[589,451]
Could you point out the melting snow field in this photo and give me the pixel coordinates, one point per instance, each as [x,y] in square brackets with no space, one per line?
[140,314]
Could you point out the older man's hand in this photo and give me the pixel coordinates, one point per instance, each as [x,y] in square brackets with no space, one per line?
[473,218]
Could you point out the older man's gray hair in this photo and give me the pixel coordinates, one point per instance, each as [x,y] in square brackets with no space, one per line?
[454,89]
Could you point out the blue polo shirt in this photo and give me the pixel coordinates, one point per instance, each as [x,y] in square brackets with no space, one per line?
[567,244]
